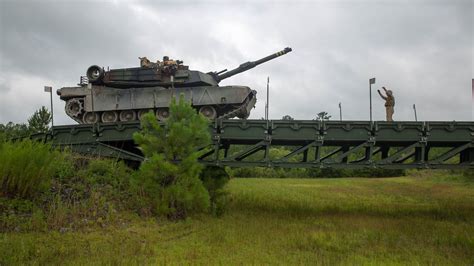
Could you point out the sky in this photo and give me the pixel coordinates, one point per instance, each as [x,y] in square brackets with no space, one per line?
[420,49]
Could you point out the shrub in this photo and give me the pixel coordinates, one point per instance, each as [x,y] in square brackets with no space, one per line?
[27,168]
[91,195]
[108,172]
[169,178]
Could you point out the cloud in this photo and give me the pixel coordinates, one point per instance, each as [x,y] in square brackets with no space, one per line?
[420,49]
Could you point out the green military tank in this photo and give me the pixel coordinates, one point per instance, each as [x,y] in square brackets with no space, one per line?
[126,94]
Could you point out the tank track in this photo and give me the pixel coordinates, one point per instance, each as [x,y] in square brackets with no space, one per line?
[239,112]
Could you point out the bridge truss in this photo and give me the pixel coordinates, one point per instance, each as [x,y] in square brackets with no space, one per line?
[305,143]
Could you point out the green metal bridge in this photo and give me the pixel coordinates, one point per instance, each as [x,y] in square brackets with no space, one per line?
[309,143]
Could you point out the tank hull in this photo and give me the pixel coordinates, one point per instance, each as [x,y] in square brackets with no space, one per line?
[95,103]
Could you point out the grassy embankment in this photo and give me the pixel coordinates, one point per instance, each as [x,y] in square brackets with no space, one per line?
[423,219]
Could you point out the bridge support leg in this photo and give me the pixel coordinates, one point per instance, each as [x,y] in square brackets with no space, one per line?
[384,151]
[467,156]
[420,154]
[305,156]
[344,150]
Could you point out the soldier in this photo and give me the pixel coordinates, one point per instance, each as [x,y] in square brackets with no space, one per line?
[144,62]
[389,103]
[169,66]
[168,62]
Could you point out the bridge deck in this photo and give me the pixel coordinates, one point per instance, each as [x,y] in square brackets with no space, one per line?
[339,144]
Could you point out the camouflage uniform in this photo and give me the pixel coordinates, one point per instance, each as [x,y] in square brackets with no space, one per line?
[144,62]
[389,103]
[169,66]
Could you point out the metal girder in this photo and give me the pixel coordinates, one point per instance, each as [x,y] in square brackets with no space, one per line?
[297,151]
[338,144]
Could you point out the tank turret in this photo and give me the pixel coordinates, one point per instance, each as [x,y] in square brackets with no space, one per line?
[126,94]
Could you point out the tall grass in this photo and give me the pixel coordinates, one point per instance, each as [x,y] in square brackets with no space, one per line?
[26,168]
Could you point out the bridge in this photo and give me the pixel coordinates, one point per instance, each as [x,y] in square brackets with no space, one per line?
[308,143]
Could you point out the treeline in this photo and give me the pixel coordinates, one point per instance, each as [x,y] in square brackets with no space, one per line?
[37,123]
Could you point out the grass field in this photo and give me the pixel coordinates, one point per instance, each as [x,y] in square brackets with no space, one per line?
[413,220]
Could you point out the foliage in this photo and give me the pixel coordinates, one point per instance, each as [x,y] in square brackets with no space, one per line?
[323,116]
[78,196]
[94,193]
[37,123]
[27,168]
[40,120]
[20,215]
[214,179]
[287,117]
[42,188]
[108,172]
[12,130]
[169,178]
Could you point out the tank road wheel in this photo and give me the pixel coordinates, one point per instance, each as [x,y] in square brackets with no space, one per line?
[162,114]
[90,118]
[109,117]
[208,111]
[141,113]
[74,107]
[128,115]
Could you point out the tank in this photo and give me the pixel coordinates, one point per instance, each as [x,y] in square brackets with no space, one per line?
[110,96]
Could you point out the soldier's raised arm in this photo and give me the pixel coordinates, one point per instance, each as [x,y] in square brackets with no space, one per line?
[384,90]
[381,95]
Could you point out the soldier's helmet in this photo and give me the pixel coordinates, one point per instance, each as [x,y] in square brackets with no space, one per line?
[389,92]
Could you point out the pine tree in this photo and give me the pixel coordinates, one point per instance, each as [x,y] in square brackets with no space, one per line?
[171,171]
[39,121]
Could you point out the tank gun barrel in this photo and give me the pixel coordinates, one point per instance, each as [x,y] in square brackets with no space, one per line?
[248,65]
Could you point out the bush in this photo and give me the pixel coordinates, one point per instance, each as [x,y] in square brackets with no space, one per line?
[168,180]
[26,168]
[90,195]
[107,172]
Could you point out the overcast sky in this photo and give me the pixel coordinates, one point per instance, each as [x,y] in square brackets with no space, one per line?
[422,50]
